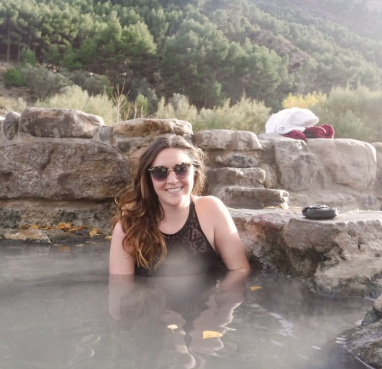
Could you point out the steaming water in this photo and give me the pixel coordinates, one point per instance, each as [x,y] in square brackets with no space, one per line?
[58,310]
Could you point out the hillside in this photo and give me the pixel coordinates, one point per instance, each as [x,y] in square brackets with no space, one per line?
[207,50]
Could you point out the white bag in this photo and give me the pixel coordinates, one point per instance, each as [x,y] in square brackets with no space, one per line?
[288,120]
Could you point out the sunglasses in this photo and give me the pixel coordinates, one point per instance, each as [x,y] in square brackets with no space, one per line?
[161,173]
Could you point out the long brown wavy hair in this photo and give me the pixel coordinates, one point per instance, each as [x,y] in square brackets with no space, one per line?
[139,210]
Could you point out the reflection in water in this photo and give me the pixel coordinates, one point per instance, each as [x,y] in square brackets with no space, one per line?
[193,304]
[60,310]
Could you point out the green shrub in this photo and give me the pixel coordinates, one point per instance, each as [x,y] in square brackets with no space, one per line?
[28,57]
[94,84]
[42,82]
[73,97]
[354,113]
[13,78]
[10,104]
[177,107]
[246,115]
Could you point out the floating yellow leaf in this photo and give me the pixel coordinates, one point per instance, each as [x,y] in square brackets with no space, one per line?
[94,232]
[64,226]
[107,237]
[64,248]
[76,229]
[254,288]
[25,226]
[172,327]
[211,334]
[34,226]
[45,227]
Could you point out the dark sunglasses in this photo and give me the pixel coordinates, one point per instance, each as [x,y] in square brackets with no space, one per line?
[161,173]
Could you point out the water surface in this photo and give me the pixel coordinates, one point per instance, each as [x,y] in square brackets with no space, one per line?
[58,310]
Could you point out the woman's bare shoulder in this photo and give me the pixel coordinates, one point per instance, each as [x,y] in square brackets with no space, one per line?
[207,201]
[210,204]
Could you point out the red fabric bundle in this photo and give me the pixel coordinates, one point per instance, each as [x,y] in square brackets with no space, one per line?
[297,135]
[323,131]
[329,131]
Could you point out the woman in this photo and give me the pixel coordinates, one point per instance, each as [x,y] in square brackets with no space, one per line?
[164,227]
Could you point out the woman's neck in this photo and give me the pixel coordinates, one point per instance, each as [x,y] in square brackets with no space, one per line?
[174,218]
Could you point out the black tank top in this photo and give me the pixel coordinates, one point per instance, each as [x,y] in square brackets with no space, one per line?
[188,252]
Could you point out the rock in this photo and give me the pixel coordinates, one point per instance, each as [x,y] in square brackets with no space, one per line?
[260,232]
[298,167]
[18,213]
[61,171]
[246,177]
[270,176]
[378,149]
[340,257]
[349,248]
[334,199]
[349,162]
[143,127]
[133,161]
[11,125]
[129,145]
[366,344]
[368,201]
[268,152]
[59,123]
[222,139]
[235,160]
[250,198]
[105,133]
[27,235]
[377,306]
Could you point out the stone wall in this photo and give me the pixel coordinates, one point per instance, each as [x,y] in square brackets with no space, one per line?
[65,165]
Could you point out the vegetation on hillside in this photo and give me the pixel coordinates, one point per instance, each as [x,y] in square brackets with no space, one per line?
[227,63]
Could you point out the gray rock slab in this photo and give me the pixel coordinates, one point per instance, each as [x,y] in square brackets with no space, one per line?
[15,214]
[366,344]
[250,198]
[235,160]
[349,162]
[222,139]
[152,127]
[270,176]
[298,167]
[61,171]
[245,177]
[59,123]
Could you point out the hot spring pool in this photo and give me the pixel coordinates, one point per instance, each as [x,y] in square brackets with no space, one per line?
[58,310]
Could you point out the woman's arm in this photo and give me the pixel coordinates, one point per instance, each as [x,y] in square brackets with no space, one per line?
[225,235]
[120,262]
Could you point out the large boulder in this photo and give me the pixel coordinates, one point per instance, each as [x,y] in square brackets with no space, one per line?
[61,171]
[143,127]
[366,344]
[340,257]
[297,165]
[349,162]
[59,123]
[348,251]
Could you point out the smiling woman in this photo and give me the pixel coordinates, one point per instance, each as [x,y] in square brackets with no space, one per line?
[164,226]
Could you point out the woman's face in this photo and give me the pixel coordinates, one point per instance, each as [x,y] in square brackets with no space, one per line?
[173,191]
